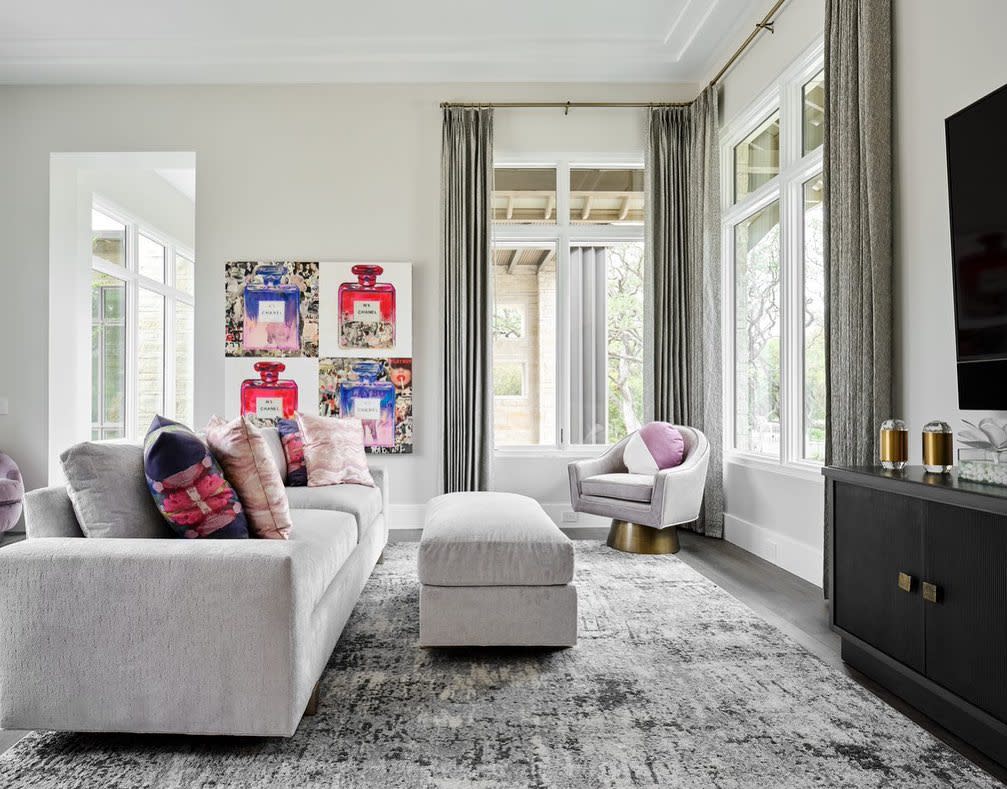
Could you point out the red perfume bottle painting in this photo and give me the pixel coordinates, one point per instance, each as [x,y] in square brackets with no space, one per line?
[269,397]
[366,310]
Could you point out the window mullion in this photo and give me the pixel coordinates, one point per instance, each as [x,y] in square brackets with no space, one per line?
[131,397]
[563,351]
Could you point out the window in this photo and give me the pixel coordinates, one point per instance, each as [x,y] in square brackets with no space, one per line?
[772,240]
[142,326]
[568,339]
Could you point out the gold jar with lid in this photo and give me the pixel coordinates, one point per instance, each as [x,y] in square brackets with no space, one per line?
[938,447]
[894,445]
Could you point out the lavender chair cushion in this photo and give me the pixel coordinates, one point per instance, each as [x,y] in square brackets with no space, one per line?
[11,493]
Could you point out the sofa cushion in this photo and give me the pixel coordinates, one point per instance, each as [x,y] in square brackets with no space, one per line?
[320,542]
[108,490]
[334,450]
[293,452]
[274,443]
[362,502]
[242,451]
[188,485]
[492,539]
[626,487]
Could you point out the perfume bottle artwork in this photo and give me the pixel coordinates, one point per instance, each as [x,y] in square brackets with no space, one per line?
[269,397]
[367,310]
[272,311]
[371,401]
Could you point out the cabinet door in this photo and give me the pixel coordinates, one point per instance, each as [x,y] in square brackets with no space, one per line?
[877,536]
[966,628]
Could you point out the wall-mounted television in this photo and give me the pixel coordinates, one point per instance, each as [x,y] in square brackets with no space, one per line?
[977,185]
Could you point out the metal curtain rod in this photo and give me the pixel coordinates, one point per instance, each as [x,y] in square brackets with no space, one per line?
[766,24]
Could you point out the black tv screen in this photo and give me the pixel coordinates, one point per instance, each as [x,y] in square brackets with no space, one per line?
[977,180]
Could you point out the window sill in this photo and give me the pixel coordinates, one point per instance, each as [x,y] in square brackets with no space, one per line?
[805,471]
[542,453]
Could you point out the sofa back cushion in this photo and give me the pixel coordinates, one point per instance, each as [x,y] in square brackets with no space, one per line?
[334,451]
[275,446]
[188,485]
[107,489]
[242,452]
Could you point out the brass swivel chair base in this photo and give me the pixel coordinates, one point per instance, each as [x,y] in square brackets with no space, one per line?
[635,538]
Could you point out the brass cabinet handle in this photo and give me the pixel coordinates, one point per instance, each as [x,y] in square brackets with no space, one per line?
[931,592]
[905,582]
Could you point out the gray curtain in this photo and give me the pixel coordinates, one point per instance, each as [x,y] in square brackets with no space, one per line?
[466,399]
[684,271]
[858,232]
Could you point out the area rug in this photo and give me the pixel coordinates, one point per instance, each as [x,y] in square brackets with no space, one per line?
[674,684]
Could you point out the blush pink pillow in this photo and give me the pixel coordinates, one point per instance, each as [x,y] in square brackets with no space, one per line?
[655,446]
[242,452]
[334,451]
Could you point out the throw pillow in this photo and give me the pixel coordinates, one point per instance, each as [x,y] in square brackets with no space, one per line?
[107,490]
[334,451]
[188,486]
[293,449]
[242,451]
[655,446]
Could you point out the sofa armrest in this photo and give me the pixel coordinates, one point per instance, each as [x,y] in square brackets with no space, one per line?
[610,462]
[49,513]
[199,636]
[380,476]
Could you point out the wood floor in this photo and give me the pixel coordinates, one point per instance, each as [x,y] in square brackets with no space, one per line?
[784,600]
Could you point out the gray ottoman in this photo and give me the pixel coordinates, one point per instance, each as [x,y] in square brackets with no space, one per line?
[495,571]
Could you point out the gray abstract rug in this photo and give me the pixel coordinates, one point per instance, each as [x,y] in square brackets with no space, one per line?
[674,684]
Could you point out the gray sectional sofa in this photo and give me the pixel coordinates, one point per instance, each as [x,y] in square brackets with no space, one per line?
[180,636]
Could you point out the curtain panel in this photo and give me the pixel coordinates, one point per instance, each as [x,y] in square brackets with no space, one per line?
[858,232]
[467,401]
[684,273]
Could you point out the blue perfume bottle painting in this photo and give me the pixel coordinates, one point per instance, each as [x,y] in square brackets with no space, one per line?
[272,310]
[371,401]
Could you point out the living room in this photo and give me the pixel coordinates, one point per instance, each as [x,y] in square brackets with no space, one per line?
[588,381]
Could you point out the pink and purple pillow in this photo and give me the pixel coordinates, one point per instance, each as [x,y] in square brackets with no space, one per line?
[655,446]
[188,485]
[245,457]
[293,450]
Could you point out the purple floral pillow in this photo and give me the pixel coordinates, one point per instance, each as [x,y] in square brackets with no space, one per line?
[188,486]
[293,449]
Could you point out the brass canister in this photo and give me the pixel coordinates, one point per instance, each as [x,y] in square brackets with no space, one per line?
[938,447]
[894,445]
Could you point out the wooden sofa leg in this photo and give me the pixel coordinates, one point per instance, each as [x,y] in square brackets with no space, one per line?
[312,708]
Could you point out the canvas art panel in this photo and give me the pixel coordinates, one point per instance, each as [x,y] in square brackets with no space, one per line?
[365,310]
[379,392]
[267,394]
[271,308]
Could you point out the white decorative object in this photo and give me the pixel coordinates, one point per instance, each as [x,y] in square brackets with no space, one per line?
[985,459]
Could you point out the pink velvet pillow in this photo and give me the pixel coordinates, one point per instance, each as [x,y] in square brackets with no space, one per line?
[334,451]
[242,452]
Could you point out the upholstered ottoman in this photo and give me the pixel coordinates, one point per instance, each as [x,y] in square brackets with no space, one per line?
[495,571]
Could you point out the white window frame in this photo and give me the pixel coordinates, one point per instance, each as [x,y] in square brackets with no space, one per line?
[785,95]
[563,235]
[129,274]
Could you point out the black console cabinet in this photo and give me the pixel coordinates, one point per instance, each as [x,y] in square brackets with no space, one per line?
[919,593]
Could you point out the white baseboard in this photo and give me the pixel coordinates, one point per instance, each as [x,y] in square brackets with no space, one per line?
[801,559]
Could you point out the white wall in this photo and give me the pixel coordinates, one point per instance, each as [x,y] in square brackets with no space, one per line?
[774,513]
[945,58]
[302,172]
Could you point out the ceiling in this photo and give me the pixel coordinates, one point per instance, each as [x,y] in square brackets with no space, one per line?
[312,41]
